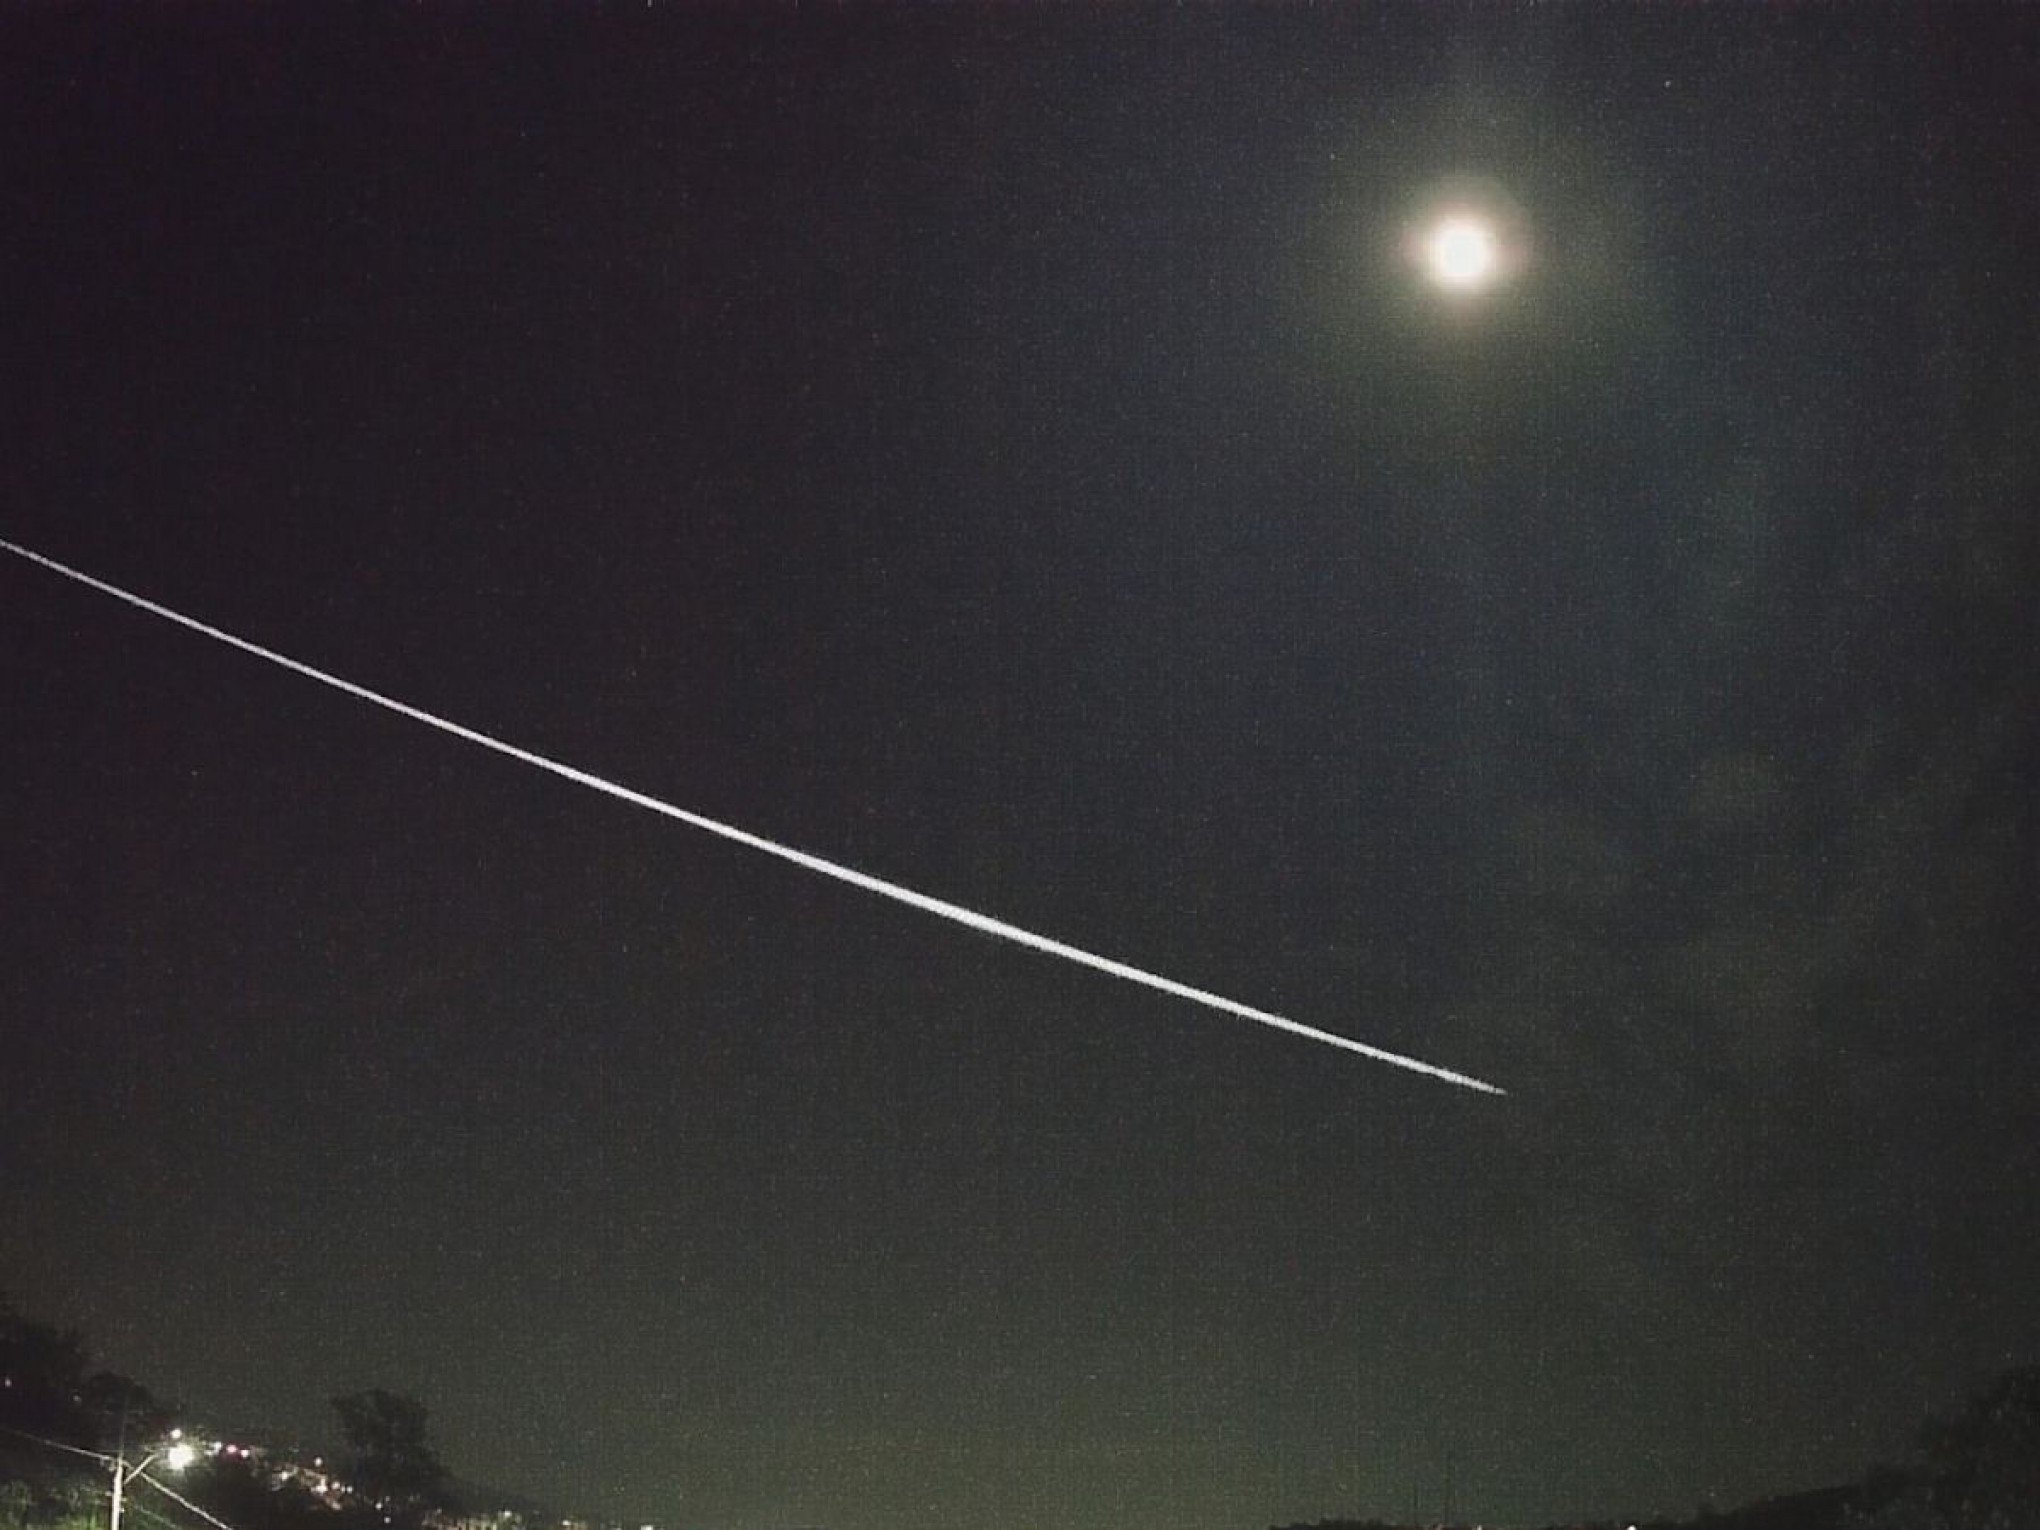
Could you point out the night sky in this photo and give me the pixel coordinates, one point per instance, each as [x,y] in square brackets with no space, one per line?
[1011,452]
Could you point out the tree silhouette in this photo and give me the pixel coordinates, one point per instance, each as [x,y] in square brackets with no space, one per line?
[42,1379]
[1981,1470]
[391,1462]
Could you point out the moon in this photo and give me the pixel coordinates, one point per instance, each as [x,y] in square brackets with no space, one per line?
[1466,239]
[1462,253]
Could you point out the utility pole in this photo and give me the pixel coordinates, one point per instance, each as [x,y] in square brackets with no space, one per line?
[176,1456]
[120,1461]
[123,1474]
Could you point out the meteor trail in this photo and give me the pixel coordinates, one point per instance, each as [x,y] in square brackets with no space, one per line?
[970,918]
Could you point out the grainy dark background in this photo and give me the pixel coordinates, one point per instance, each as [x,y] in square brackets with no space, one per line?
[1002,450]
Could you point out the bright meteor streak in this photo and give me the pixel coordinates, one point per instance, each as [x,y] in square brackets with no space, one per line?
[970,918]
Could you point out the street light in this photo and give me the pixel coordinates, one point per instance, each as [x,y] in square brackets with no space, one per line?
[176,1455]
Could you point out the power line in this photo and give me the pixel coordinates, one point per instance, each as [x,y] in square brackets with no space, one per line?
[177,1497]
[135,1475]
[76,1450]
